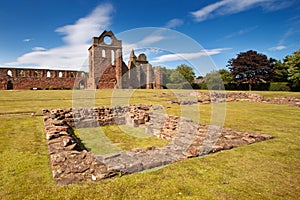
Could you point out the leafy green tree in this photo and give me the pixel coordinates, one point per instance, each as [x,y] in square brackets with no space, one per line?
[225,76]
[176,77]
[280,72]
[293,64]
[187,72]
[166,75]
[251,67]
[214,80]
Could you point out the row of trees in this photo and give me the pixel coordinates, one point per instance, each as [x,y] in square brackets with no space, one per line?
[181,77]
[251,68]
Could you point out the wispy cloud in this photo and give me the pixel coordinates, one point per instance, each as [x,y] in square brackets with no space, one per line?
[39,49]
[241,32]
[228,7]
[73,53]
[86,27]
[27,40]
[150,40]
[187,56]
[143,45]
[277,48]
[173,23]
[286,35]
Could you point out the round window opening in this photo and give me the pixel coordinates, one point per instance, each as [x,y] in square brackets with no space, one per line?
[107,40]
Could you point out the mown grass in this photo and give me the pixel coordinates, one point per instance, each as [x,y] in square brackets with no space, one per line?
[111,139]
[266,170]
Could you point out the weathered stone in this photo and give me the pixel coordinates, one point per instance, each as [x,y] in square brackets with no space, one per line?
[67,141]
[72,163]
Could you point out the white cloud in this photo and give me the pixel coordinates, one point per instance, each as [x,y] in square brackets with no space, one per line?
[187,56]
[227,7]
[278,48]
[39,49]
[77,39]
[85,28]
[27,40]
[173,23]
[150,40]
[142,44]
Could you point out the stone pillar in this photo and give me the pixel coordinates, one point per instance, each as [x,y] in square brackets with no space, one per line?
[149,76]
[118,66]
[14,73]
[158,78]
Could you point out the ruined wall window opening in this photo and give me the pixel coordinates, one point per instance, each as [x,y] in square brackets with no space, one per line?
[60,74]
[113,57]
[36,74]
[48,74]
[83,75]
[72,75]
[107,40]
[22,73]
[81,84]
[9,73]
[103,53]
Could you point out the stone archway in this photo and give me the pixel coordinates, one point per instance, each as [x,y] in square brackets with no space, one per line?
[82,84]
[9,85]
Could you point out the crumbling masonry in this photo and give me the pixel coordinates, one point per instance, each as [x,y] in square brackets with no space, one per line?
[25,79]
[107,70]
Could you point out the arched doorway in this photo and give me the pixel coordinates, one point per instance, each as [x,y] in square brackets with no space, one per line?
[81,85]
[9,85]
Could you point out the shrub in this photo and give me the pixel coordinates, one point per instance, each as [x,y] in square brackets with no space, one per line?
[279,86]
[174,85]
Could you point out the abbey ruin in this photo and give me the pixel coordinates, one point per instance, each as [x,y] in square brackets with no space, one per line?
[107,70]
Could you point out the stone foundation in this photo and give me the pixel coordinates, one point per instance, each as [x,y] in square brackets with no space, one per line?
[215,97]
[71,162]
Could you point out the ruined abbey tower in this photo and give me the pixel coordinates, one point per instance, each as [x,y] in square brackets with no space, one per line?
[108,70]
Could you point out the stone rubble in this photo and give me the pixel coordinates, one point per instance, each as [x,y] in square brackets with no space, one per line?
[71,162]
[218,97]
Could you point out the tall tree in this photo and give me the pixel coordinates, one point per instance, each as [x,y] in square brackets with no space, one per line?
[187,72]
[214,80]
[293,64]
[251,67]
[217,79]
[225,75]
[280,72]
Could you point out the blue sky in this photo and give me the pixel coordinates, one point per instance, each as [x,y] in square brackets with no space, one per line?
[204,33]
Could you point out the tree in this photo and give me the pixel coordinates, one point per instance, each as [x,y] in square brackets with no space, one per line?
[280,72]
[187,72]
[293,64]
[166,75]
[214,81]
[225,76]
[217,79]
[251,67]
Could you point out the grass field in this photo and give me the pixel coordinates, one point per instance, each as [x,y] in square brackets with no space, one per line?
[266,170]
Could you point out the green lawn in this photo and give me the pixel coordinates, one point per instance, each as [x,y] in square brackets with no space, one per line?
[111,139]
[266,170]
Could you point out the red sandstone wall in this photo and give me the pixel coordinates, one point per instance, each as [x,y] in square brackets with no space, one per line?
[24,79]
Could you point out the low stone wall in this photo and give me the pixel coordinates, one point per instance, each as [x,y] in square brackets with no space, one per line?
[25,79]
[218,97]
[71,162]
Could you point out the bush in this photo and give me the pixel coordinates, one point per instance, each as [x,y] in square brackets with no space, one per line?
[201,86]
[245,86]
[174,85]
[279,86]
